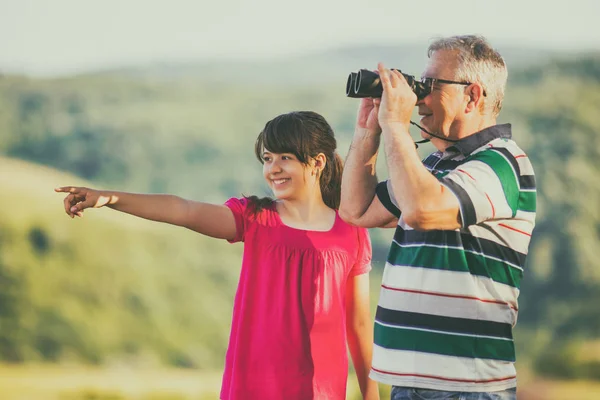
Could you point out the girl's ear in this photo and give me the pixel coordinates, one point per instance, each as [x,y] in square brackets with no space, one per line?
[320,161]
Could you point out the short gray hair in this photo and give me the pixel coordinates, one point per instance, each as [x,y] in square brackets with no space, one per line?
[478,62]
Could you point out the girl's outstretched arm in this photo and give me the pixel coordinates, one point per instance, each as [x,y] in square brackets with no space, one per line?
[359,330]
[209,219]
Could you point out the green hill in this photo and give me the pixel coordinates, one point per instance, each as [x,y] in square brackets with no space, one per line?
[108,287]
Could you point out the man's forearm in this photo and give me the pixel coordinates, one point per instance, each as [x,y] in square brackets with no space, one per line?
[412,184]
[360,179]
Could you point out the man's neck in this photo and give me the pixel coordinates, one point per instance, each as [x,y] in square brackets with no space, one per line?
[465,129]
[486,123]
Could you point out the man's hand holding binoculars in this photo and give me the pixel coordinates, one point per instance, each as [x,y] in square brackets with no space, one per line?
[397,100]
[367,118]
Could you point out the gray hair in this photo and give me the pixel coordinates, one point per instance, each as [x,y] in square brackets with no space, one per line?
[477,62]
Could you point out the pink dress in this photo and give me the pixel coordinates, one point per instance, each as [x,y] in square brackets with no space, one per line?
[288,333]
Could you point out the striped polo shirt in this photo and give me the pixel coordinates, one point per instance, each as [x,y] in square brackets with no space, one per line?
[448,299]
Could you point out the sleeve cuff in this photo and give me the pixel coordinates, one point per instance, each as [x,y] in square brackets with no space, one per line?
[384,197]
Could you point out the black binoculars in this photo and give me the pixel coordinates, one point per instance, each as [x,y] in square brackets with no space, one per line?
[365,83]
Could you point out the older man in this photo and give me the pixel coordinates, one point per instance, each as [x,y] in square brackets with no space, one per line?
[463,217]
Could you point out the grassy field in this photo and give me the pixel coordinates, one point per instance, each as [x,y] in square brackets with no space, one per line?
[81,383]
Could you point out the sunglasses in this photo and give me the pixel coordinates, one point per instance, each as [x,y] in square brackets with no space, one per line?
[426,86]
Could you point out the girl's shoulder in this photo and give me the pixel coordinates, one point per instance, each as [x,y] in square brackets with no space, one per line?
[252,208]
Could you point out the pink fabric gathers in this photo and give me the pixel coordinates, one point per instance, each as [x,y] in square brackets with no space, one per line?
[288,333]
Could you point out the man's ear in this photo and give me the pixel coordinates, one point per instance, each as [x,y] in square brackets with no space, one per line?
[475,97]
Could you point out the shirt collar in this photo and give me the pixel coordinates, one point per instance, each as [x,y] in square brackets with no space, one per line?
[472,142]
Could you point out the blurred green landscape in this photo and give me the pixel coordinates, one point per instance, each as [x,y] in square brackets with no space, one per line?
[113,307]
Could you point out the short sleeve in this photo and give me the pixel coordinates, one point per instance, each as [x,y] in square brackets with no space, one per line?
[486,185]
[363,260]
[386,197]
[239,208]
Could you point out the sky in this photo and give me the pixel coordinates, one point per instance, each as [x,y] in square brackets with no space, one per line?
[58,37]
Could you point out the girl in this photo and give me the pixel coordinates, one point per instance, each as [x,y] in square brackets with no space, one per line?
[304,286]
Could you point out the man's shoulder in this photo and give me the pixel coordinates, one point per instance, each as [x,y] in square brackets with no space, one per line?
[507,147]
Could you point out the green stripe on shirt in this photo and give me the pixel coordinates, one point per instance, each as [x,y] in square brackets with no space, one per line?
[442,343]
[505,173]
[449,259]
[527,201]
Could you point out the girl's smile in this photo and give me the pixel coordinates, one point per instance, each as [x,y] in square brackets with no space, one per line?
[280,181]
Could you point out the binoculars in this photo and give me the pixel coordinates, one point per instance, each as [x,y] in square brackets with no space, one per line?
[365,83]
